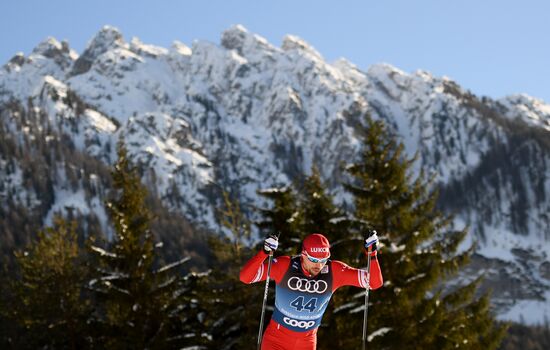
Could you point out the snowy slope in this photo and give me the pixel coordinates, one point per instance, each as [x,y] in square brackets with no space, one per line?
[245,115]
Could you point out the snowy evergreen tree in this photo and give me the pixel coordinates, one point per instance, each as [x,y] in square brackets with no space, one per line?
[419,252]
[283,217]
[234,308]
[319,213]
[48,305]
[140,306]
[300,210]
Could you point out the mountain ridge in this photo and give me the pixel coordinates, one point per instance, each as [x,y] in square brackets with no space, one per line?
[246,115]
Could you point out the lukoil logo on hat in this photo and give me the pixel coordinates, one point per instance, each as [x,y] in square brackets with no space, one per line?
[316,245]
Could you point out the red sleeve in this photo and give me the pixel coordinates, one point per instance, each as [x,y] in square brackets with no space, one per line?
[344,275]
[255,270]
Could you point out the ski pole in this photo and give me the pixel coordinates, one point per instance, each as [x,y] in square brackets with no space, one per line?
[265,299]
[369,250]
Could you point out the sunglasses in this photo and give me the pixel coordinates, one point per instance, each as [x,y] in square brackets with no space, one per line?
[314,259]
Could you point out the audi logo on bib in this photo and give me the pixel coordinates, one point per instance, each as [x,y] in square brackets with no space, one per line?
[308,286]
[299,324]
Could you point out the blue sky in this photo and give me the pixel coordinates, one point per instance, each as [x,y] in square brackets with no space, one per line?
[493,48]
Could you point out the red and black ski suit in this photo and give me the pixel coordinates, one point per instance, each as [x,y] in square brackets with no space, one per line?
[301,299]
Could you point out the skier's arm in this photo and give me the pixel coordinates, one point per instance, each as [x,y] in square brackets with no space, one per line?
[255,270]
[344,275]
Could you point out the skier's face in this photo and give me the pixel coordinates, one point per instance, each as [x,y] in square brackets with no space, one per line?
[313,268]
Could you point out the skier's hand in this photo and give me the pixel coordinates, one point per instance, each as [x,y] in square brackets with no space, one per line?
[271,243]
[371,240]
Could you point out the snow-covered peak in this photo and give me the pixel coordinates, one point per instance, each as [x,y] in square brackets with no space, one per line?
[385,69]
[15,62]
[235,37]
[50,46]
[390,80]
[292,42]
[350,71]
[181,49]
[238,38]
[57,51]
[139,48]
[106,39]
[531,110]
[178,57]
[23,77]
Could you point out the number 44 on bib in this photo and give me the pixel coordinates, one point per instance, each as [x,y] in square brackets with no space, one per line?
[299,304]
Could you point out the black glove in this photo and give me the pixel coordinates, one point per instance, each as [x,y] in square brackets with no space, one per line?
[371,239]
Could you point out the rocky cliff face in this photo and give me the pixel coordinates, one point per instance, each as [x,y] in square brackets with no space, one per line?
[245,115]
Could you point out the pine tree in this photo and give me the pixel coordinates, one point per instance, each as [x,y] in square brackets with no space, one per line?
[140,306]
[419,253]
[8,333]
[302,209]
[233,307]
[282,218]
[49,308]
[318,211]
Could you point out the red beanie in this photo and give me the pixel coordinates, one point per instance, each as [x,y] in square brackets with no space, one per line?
[317,246]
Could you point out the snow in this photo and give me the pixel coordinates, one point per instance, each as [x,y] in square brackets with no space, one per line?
[76,201]
[103,252]
[99,121]
[56,84]
[181,48]
[26,81]
[68,200]
[501,241]
[166,283]
[12,185]
[140,48]
[533,111]
[530,312]
[292,42]
[377,333]
[501,245]
[174,264]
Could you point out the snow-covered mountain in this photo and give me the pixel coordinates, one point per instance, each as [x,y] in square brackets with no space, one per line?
[245,115]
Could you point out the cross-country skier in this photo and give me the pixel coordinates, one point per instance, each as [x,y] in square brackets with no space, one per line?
[304,285]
